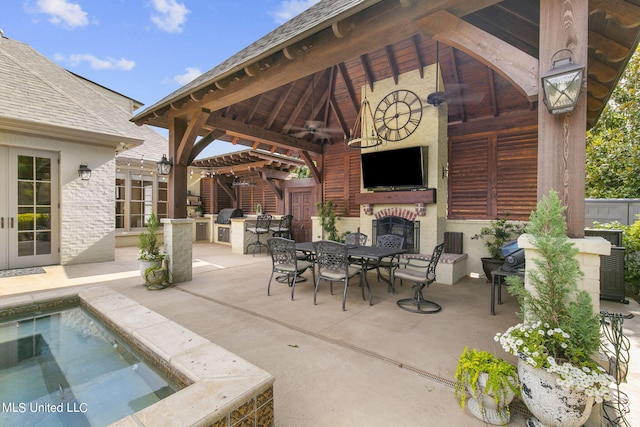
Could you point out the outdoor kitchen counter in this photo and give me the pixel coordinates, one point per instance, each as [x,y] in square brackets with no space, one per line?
[240,237]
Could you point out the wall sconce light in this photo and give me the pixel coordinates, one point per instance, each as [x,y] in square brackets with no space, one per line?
[164,165]
[562,84]
[84,172]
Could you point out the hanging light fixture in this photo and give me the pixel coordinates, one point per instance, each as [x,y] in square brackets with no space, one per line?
[364,134]
[164,165]
[562,84]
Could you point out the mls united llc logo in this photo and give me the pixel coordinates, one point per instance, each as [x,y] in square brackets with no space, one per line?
[21,408]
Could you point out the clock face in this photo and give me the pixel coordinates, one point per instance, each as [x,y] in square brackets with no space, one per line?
[398,115]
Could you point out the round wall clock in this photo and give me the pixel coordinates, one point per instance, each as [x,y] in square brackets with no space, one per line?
[398,115]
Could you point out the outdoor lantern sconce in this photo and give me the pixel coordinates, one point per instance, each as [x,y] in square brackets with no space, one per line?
[562,84]
[84,172]
[164,165]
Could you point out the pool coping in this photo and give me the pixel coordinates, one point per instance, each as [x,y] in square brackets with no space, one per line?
[219,388]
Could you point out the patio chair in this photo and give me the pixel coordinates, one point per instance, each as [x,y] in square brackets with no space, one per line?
[285,261]
[357,239]
[261,227]
[333,265]
[422,273]
[389,263]
[283,229]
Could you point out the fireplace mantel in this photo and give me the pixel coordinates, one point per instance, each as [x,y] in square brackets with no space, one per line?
[427,196]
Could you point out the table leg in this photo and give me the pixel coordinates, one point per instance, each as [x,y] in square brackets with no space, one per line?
[493,291]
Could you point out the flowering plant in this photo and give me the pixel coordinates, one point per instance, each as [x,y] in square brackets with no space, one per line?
[149,249]
[561,331]
[542,346]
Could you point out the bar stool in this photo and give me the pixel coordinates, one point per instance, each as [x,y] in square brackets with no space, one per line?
[261,227]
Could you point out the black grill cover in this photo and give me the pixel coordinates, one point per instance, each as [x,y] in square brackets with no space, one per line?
[225,214]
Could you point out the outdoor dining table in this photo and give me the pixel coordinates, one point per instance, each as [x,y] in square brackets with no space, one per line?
[365,256]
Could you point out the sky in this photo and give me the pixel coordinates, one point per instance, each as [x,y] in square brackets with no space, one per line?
[144,49]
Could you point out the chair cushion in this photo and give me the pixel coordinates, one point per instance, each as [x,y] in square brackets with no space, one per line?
[338,275]
[290,268]
[410,274]
[257,230]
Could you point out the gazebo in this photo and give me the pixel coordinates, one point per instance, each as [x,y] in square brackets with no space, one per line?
[495,146]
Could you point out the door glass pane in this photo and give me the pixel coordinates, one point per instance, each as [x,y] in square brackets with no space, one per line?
[25,193]
[43,218]
[43,193]
[25,219]
[43,169]
[25,167]
[25,243]
[43,242]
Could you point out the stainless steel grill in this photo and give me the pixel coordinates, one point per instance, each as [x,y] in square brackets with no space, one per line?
[225,215]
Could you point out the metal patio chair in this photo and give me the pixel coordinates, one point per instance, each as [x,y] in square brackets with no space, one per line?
[285,261]
[422,273]
[283,228]
[333,265]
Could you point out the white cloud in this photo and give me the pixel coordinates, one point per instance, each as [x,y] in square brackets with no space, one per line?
[169,15]
[290,8]
[63,13]
[190,74]
[96,63]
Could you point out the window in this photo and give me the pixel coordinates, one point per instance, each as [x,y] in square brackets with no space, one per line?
[137,196]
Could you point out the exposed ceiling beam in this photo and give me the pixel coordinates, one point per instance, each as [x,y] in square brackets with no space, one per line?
[259,134]
[514,65]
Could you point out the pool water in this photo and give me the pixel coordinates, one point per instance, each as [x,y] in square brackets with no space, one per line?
[66,369]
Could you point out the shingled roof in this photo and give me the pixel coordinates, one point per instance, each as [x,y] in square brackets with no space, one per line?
[39,96]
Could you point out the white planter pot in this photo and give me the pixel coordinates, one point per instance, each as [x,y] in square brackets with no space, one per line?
[551,404]
[146,264]
[485,407]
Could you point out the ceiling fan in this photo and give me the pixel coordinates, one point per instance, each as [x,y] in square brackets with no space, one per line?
[454,93]
[315,128]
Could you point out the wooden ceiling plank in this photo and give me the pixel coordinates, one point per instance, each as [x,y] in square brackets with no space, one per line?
[278,107]
[254,108]
[514,65]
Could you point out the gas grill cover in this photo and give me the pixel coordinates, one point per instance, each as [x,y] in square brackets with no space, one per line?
[225,215]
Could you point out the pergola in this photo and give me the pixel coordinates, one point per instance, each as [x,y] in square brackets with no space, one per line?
[491,54]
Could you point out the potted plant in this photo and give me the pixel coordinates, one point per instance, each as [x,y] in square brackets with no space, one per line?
[149,254]
[328,220]
[561,333]
[487,384]
[499,232]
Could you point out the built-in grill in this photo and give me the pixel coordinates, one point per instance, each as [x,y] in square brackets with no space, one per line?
[225,215]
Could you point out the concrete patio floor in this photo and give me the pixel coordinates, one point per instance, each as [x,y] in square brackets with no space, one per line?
[368,366]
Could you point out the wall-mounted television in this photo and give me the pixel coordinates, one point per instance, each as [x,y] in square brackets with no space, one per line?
[402,168]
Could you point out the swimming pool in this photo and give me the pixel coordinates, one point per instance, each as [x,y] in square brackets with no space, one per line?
[65,368]
[217,388]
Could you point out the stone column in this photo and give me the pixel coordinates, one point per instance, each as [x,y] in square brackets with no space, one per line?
[178,246]
[590,249]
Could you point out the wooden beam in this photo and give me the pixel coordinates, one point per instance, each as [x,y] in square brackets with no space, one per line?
[315,173]
[259,134]
[392,63]
[514,65]
[183,151]
[204,142]
[228,189]
[561,137]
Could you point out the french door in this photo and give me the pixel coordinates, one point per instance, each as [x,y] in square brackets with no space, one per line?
[29,234]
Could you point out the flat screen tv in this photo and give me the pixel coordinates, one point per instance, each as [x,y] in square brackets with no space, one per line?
[402,168]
